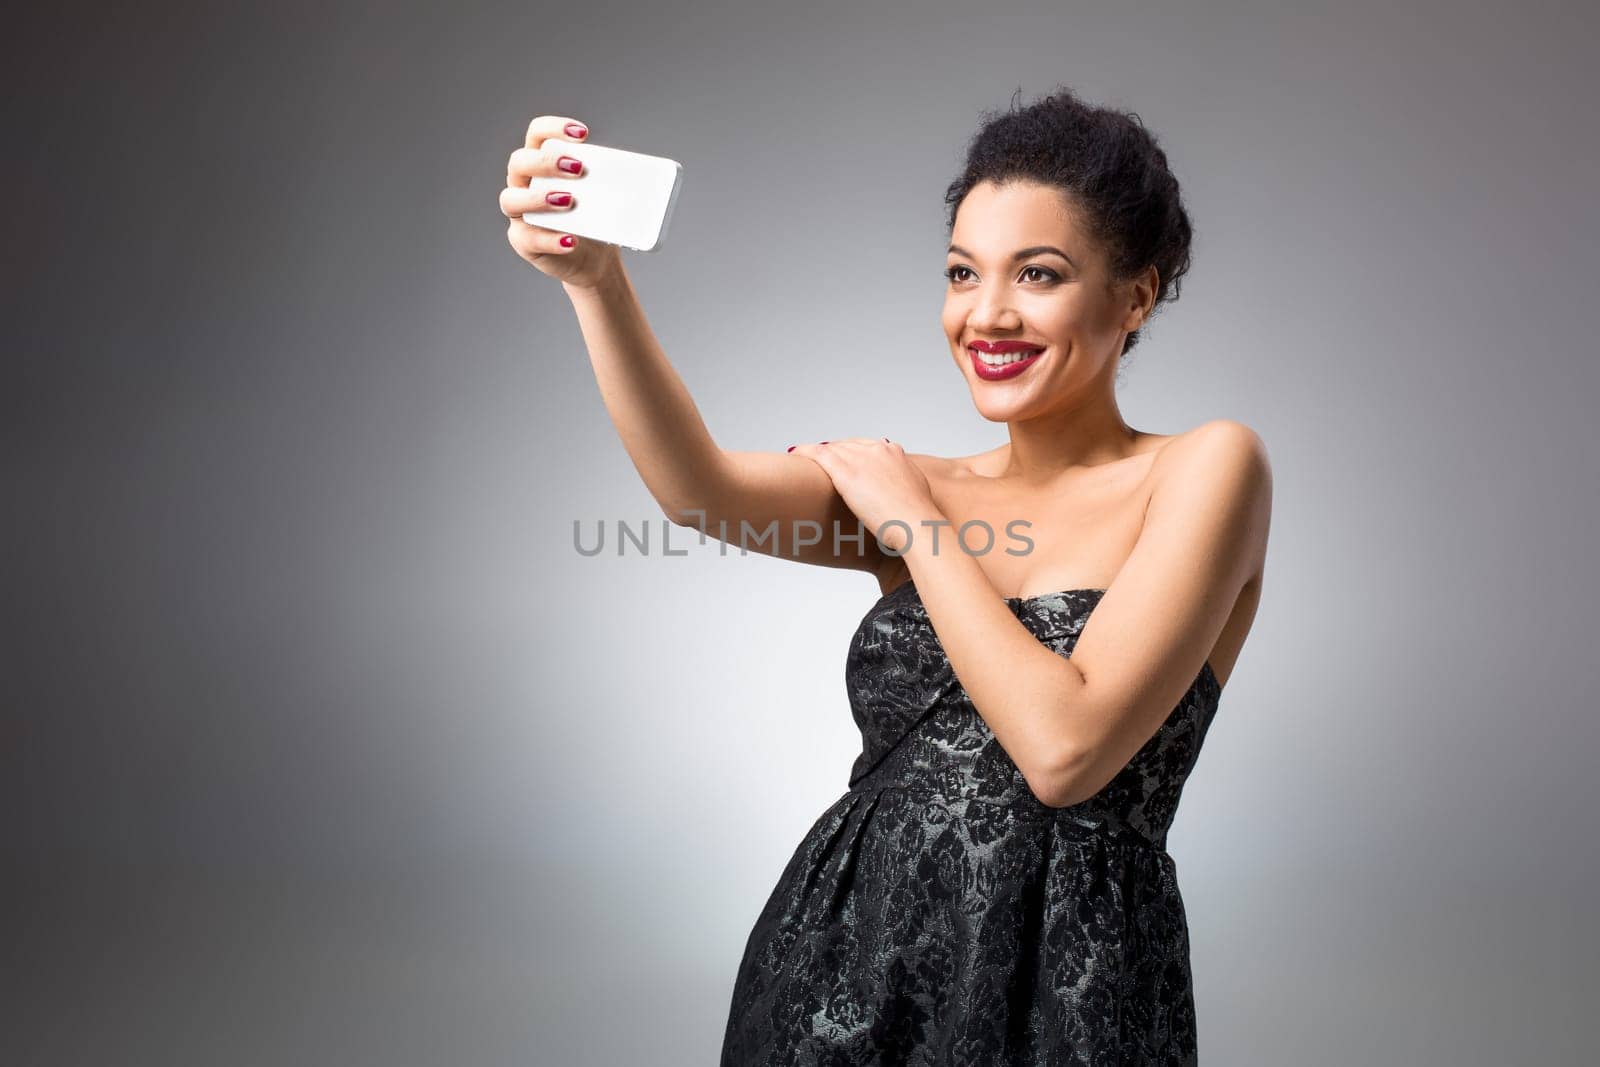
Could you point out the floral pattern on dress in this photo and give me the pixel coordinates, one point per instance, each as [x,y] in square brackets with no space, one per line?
[938,913]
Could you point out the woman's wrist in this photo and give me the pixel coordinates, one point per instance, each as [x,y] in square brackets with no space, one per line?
[917,529]
[612,281]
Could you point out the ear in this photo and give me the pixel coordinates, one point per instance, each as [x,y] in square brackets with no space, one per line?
[1142,299]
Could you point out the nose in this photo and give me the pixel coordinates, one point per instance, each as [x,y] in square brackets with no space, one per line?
[991,313]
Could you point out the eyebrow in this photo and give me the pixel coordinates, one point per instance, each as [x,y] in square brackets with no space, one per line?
[1031,250]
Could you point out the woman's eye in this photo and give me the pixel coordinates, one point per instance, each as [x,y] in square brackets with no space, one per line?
[953,273]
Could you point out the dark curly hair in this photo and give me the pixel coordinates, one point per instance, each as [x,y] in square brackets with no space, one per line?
[1110,167]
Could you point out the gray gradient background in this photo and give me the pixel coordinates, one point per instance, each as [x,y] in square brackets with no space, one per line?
[323,745]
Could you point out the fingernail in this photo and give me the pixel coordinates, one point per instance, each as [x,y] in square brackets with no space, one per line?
[790,448]
[567,240]
[824,442]
[562,200]
[569,164]
[575,130]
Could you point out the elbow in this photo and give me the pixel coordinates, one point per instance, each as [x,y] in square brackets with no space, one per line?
[1058,783]
[690,502]
[692,516]
[679,516]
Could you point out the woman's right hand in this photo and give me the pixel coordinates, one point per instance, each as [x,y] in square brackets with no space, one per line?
[587,262]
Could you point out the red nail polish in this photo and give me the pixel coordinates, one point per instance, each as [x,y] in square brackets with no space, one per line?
[558,199]
[574,130]
[790,448]
[824,442]
[567,240]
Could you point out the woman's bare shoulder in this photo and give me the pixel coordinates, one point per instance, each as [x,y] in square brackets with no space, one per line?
[1227,434]
[952,468]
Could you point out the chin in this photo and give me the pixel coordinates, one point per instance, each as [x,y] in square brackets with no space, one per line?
[995,412]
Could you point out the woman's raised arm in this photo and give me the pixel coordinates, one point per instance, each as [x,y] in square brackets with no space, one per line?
[770,502]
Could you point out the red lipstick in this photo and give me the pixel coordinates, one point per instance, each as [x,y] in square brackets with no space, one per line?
[1009,370]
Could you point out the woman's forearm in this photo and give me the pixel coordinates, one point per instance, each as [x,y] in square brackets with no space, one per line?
[651,408]
[1017,684]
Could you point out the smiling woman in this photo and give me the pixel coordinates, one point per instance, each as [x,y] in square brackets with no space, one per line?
[994,885]
[1122,197]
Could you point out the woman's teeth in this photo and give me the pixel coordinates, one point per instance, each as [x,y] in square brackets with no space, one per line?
[995,359]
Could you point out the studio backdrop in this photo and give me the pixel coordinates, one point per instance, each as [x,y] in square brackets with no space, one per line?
[324,743]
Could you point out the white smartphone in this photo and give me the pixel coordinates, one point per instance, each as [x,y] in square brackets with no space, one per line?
[623,198]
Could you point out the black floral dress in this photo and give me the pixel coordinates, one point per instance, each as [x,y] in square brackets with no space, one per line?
[939,914]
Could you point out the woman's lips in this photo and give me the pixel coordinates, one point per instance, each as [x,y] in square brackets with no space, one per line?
[1000,374]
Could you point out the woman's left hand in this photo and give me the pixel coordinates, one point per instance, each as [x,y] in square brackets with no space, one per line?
[878,482]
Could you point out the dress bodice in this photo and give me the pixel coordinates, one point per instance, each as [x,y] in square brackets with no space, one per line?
[921,732]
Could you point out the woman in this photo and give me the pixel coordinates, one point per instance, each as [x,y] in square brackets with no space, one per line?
[994,887]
